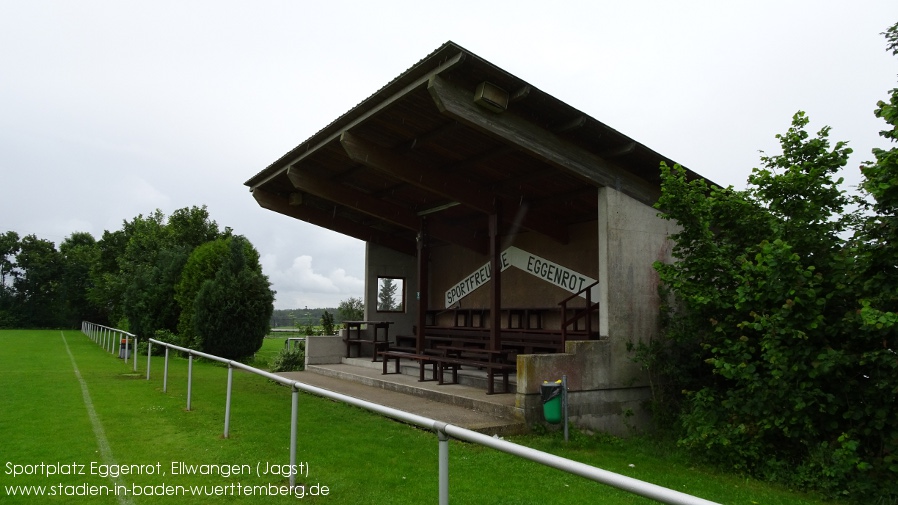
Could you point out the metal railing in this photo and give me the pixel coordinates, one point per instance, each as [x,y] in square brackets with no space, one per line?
[112,339]
[444,432]
[578,314]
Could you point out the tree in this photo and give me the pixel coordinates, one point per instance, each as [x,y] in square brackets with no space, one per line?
[232,309]
[386,296]
[351,309]
[780,332]
[9,247]
[79,252]
[202,265]
[38,282]
[107,284]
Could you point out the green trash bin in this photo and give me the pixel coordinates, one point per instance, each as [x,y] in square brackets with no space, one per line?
[551,396]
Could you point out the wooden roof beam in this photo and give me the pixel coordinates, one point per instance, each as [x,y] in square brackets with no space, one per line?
[538,142]
[436,181]
[281,205]
[380,209]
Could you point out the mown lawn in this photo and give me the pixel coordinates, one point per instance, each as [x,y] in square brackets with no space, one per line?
[360,457]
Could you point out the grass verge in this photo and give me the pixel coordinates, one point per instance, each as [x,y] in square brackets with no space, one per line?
[360,457]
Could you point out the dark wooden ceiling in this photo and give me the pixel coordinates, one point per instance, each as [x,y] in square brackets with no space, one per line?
[421,148]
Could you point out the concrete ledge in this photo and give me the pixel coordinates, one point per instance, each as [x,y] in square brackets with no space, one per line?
[323,350]
[500,405]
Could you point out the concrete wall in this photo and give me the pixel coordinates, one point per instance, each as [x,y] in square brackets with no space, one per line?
[324,349]
[383,262]
[631,238]
[607,390]
[599,398]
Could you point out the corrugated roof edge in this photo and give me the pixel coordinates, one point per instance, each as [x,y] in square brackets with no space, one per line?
[424,65]
[361,107]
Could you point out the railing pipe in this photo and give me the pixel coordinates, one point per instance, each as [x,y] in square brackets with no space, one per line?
[445,431]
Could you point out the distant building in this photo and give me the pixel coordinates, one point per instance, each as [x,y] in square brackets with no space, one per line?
[457,170]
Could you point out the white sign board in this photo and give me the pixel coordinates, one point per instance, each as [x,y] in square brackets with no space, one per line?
[546,270]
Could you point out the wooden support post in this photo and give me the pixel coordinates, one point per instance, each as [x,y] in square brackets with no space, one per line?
[496,284]
[423,270]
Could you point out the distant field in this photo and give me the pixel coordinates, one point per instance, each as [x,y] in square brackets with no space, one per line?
[46,428]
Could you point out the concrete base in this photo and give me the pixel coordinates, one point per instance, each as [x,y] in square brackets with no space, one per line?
[599,397]
[595,401]
[619,412]
[456,404]
[323,350]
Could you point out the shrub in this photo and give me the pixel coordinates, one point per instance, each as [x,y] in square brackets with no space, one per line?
[290,360]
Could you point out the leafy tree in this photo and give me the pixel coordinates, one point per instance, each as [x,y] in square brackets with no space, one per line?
[79,252]
[779,331]
[327,322]
[37,284]
[201,266]
[191,227]
[232,309]
[9,247]
[107,284]
[138,266]
[351,309]
[151,304]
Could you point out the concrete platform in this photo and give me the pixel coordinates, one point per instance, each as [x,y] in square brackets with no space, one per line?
[459,404]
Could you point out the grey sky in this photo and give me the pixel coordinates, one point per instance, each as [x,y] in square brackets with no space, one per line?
[110,109]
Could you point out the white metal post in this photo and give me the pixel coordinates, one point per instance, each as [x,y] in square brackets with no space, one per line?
[149,353]
[189,378]
[134,349]
[444,467]
[564,403]
[227,427]
[165,373]
[294,417]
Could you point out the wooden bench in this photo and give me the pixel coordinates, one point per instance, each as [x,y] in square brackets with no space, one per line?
[491,367]
[523,340]
[531,341]
[422,359]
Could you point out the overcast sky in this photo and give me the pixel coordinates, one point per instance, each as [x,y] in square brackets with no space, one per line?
[110,109]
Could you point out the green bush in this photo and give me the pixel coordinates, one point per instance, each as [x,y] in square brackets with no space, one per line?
[781,329]
[788,372]
[290,360]
[232,310]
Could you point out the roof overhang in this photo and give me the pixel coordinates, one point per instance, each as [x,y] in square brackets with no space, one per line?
[453,140]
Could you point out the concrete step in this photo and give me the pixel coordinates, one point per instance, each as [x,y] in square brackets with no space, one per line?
[500,406]
[467,377]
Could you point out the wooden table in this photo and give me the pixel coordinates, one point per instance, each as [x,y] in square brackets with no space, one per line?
[354,336]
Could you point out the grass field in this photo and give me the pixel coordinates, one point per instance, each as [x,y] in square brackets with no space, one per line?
[52,421]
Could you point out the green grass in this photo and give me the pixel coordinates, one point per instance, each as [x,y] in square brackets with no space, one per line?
[361,457]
